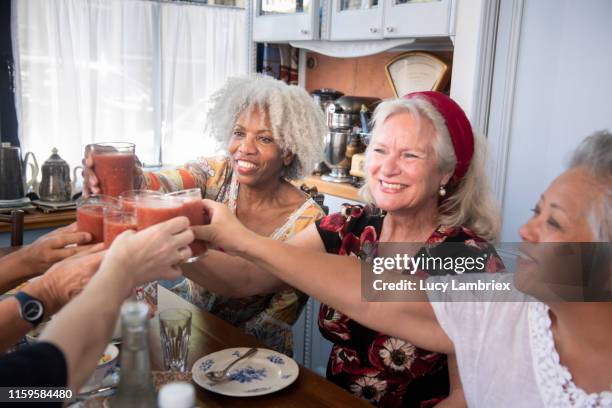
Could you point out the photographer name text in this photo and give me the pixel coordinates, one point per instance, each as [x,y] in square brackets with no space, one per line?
[452,285]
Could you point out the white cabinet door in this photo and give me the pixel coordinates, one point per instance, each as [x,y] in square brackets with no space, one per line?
[410,18]
[356,20]
[285,20]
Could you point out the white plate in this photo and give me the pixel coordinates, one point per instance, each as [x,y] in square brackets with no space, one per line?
[265,372]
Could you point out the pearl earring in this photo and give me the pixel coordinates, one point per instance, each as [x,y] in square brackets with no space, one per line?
[442,191]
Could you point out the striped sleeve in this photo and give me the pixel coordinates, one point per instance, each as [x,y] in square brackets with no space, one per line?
[207,173]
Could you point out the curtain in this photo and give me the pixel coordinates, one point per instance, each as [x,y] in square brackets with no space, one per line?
[120,70]
[201,48]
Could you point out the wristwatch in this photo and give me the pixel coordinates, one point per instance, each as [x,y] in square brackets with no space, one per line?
[32,309]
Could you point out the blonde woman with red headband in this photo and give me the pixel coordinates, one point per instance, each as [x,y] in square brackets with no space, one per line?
[425,172]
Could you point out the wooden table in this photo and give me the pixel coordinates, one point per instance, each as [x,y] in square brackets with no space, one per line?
[210,333]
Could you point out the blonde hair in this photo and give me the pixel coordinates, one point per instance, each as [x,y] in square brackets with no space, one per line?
[469,203]
[298,124]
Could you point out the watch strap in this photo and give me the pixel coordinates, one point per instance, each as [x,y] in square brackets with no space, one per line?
[31,309]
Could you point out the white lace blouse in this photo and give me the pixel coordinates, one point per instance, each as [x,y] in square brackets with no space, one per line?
[507,357]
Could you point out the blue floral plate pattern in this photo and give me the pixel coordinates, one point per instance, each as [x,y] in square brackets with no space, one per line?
[265,372]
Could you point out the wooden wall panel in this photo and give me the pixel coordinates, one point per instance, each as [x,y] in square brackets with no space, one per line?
[360,76]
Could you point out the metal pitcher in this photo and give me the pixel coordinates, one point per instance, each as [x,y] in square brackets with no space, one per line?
[13,184]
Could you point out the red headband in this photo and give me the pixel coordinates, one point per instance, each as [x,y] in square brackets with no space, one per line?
[458,126]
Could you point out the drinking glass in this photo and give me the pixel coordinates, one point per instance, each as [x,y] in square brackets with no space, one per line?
[116,221]
[193,208]
[175,329]
[113,164]
[152,210]
[90,215]
[128,199]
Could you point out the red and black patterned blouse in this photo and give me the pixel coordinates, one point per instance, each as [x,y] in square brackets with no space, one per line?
[385,371]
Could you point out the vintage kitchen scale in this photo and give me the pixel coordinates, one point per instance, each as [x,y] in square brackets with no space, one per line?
[410,72]
[417,71]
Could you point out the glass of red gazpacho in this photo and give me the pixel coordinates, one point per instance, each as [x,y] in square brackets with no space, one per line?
[155,209]
[193,208]
[113,164]
[116,221]
[128,199]
[152,210]
[90,215]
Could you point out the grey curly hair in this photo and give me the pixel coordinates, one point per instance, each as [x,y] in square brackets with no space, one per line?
[470,203]
[594,154]
[298,124]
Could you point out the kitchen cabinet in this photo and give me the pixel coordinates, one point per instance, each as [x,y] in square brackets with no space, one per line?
[285,20]
[356,20]
[378,19]
[348,20]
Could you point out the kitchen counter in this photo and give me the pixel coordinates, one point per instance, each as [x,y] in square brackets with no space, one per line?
[336,189]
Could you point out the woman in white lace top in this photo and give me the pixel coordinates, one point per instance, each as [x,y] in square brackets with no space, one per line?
[534,351]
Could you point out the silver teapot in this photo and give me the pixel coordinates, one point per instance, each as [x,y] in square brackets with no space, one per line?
[55,185]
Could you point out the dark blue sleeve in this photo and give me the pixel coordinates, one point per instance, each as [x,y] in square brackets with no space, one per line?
[38,365]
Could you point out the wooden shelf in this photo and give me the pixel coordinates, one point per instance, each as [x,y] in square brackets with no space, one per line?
[38,219]
[336,189]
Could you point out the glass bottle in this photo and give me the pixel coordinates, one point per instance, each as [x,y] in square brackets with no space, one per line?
[136,384]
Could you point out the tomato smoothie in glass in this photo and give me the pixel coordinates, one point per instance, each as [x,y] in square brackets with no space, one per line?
[193,208]
[128,199]
[149,211]
[113,164]
[90,215]
[117,221]
[153,210]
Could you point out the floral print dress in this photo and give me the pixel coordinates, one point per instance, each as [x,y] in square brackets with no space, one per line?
[385,371]
[268,317]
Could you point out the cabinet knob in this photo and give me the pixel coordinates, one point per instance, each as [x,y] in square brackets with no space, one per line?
[304,31]
[373,30]
[390,29]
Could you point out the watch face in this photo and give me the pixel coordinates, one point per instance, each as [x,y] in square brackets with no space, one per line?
[32,310]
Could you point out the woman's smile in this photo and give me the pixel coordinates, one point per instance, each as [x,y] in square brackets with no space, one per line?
[245,167]
[390,187]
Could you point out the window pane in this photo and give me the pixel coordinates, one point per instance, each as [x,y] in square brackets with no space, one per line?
[284,6]
[415,1]
[85,74]
[358,4]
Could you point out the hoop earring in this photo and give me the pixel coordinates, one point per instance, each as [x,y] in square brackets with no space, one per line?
[442,191]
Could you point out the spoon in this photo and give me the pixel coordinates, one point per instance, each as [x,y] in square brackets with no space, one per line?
[221,375]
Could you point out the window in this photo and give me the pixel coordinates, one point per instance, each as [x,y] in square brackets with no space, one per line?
[113,70]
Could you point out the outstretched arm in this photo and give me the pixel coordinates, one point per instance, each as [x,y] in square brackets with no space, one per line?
[208,174]
[334,280]
[133,259]
[236,277]
[35,258]
[54,289]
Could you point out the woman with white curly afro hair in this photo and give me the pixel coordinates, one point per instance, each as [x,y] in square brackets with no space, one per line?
[272,133]
[297,124]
